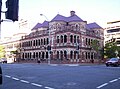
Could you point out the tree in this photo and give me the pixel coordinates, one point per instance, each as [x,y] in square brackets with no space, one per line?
[99,50]
[111,49]
[2,51]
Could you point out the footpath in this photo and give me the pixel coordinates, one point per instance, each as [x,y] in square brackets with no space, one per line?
[60,64]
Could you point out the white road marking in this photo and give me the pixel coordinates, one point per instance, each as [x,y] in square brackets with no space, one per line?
[73,65]
[24,81]
[118,78]
[15,78]
[35,84]
[7,76]
[113,80]
[49,88]
[102,85]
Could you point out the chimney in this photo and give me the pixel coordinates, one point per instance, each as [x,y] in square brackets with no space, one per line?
[72,13]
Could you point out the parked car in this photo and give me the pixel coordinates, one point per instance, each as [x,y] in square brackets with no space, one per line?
[0,75]
[113,62]
[3,60]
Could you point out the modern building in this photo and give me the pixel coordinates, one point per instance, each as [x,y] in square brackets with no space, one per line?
[12,43]
[62,40]
[112,32]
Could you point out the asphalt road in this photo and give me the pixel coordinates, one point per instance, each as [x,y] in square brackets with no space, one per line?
[43,76]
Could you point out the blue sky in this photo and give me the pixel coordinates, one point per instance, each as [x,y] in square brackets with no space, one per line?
[100,11]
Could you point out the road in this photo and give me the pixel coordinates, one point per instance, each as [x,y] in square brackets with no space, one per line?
[43,76]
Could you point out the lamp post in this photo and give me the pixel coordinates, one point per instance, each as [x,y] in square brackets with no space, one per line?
[49,45]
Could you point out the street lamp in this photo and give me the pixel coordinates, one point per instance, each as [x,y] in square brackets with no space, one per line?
[49,46]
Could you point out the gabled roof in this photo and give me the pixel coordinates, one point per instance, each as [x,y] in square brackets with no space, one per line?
[93,26]
[39,25]
[74,18]
[45,24]
[59,17]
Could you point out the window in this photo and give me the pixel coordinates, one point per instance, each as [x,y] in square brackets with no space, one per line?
[61,39]
[65,54]
[74,39]
[65,38]
[71,54]
[57,39]
[71,38]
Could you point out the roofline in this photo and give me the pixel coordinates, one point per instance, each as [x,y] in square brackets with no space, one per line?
[113,22]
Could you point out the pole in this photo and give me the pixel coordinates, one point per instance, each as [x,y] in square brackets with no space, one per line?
[49,59]
[0,16]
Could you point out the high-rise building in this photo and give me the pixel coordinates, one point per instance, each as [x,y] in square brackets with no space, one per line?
[112,32]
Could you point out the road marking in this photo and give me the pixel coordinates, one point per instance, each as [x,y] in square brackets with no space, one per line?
[49,88]
[7,76]
[53,64]
[118,78]
[15,78]
[73,65]
[35,84]
[113,80]
[102,85]
[24,81]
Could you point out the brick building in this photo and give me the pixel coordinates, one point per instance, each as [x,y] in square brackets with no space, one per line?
[69,39]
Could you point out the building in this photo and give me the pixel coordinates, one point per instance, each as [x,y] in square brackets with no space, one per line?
[13,43]
[62,40]
[112,32]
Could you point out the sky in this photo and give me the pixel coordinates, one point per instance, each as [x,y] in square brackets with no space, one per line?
[99,11]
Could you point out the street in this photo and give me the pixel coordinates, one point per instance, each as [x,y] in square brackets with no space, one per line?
[43,76]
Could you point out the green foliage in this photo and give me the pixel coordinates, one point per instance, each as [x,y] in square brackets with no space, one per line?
[2,51]
[95,45]
[110,50]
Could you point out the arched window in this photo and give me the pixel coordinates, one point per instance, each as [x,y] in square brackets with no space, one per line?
[86,54]
[33,54]
[44,41]
[57,39]
[34,43]
[61,53]
[65,38]
[39,42]
[46,54]
[77,27]
[71,54]
[61,39]
[78,39]
[47,40]
[75,39]
[42,55]
[36,54]
[89,41]
[65,54]
[57,54]
[74,54]
[39,54]
[71,38]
